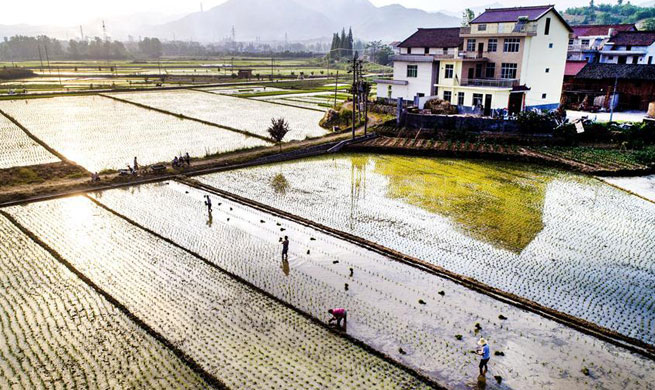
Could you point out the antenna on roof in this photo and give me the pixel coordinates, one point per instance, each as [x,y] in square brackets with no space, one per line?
[104,30]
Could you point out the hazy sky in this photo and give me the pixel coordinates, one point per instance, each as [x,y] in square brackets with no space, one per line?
[71,12]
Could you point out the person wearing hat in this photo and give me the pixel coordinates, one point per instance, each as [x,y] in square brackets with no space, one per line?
[485,353]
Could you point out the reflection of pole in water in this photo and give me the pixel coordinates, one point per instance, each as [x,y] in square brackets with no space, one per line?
[357,186]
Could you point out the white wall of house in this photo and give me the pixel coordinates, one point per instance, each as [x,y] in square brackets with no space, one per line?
[422,83]
[607,57]
[544,61]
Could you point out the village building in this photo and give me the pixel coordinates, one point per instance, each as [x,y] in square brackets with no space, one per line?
[509,58]
[589,40]
[630,47]
[596,83]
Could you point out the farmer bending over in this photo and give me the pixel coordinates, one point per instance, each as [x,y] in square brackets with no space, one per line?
[338,315]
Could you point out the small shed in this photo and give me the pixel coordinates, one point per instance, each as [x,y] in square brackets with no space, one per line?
[244,73]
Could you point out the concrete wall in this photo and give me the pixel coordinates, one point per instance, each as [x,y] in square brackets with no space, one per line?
[539,56]
[446,122]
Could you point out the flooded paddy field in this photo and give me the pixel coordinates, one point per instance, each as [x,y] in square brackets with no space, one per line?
[57,332]
[242,337]
[243,114]
[19,150]
[422,320]
[101,133]
[563,240]
[643,186]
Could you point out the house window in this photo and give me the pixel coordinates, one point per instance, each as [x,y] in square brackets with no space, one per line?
[426,50]
[447,96]
[650,60]
[482,27]
[570,41]
[460,98]
[585,42]
[491,70]
[478,70]
[547,70]
[449,71]
[512,45]
[470,45]
[543,95]
[412,70]
[508,71]
[628,48]
[550,45]
[477,99]
[492,46]
[547,31]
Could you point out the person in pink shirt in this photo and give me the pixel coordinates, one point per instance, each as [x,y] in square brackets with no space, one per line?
[338,315]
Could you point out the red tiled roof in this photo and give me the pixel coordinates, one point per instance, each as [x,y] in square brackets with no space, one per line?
[433,37]
[587,30]
[574,67]
[501,15]
[634,38]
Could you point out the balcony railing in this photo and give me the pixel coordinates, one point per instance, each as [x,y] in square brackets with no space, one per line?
[518,28]
[496,83]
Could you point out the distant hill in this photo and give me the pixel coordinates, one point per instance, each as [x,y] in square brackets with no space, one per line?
[611,14]
[300,20]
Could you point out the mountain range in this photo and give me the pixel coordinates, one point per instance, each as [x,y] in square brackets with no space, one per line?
[264,20]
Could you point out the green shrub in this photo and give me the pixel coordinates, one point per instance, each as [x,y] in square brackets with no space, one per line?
[536,122]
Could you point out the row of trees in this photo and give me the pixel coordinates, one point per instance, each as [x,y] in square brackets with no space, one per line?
[23,48]
[342,45]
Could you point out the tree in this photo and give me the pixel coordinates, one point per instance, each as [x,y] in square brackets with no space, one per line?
[374,46]
[467,17]
[648,25]
[277,130]
[383,56]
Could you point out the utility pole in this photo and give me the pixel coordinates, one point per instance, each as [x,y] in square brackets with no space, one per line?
[354,91]
[336,81]
[45,48]
[40,58]
[612,97]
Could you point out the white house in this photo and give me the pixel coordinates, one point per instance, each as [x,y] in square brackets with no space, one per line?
[588,40]
[630,47]
[509,58]
[416,65]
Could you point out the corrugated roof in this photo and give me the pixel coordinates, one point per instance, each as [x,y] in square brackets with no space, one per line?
[590,30]
[622,71]
[634,38]
[433,37]
[501,15]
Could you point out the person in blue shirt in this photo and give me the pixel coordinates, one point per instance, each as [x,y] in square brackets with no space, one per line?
[485,353]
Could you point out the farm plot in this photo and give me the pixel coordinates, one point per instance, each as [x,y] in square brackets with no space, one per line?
[240,90]
[565,241]
[19,150]
[101,133]
[392,307]
[642,186]
[56,332]
[242,337]
[243,114]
